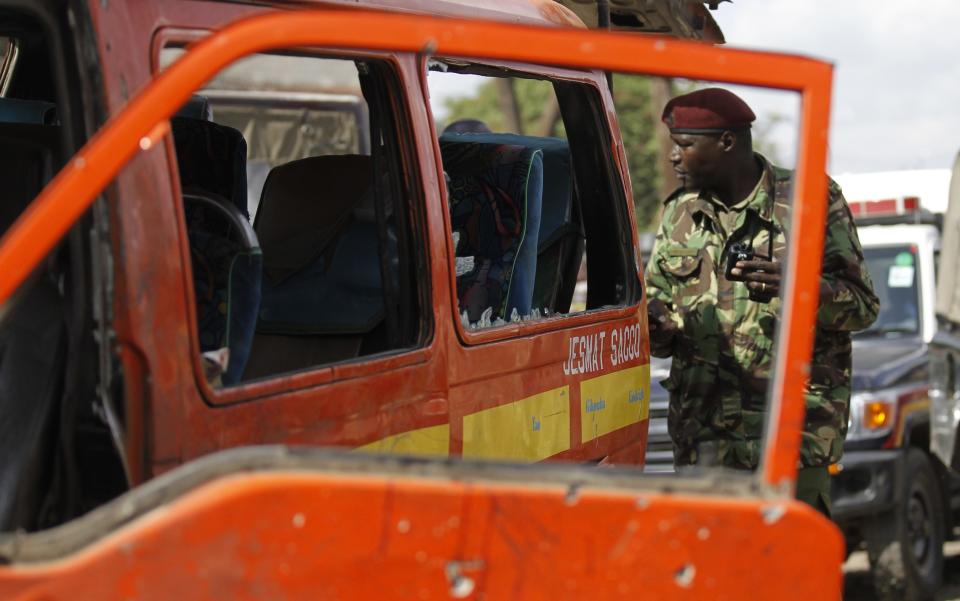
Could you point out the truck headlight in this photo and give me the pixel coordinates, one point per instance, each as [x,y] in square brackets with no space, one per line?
[878,415]
[872,414]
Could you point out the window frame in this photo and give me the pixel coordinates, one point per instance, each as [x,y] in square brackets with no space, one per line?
[9,64]
[328,373]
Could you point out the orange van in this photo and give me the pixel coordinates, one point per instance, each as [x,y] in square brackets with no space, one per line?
[302,257]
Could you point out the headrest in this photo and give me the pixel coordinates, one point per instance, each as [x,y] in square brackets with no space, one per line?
[504,165]
[467,126]
[556,151]
[13,110]
[557,174]
[305,204]
[212,157]
[198,107]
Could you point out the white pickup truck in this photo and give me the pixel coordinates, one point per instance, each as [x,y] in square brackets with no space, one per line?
[892,494]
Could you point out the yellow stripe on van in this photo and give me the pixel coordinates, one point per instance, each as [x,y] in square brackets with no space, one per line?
[530,429]
[433,441]
[613,401]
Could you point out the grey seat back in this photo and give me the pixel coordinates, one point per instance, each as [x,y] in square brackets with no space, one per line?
[322,289]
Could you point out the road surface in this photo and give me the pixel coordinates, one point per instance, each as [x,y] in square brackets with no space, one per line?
[856,580]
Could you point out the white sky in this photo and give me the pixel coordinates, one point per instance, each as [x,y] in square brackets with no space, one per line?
[896,95]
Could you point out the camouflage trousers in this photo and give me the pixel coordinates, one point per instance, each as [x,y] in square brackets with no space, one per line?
[813,483]
[813,488]
[735,452]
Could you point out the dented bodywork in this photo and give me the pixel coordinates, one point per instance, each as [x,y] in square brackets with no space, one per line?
[333,525]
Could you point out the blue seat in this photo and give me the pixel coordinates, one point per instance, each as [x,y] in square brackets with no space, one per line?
[557,259]
[36,112]
[227,269]
[495,194]
[225,252]
[340,292]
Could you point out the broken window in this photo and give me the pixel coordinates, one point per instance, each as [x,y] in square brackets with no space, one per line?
[539,221]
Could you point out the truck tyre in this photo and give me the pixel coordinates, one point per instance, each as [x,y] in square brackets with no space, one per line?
[905,545]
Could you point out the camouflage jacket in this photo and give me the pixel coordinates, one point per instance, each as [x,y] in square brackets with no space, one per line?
[722,355]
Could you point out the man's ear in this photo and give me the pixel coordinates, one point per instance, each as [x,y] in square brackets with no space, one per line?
[728,141]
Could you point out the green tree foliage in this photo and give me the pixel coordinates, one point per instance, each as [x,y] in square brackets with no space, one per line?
[484,105]
[631,96]
[532,95]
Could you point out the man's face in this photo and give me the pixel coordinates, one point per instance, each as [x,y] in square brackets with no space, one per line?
[696,159]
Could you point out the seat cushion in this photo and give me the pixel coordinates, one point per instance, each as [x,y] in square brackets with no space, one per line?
[340,292]
[322,290]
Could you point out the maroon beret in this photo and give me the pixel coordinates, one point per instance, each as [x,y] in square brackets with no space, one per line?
[707,111]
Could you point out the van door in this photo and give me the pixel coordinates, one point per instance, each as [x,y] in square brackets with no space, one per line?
[392,526]
[56,349]
[320,330]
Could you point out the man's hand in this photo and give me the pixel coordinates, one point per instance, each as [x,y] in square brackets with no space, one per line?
[761,277]
[662,328]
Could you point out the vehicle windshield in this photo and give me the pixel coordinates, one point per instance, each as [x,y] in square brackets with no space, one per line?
[893,270]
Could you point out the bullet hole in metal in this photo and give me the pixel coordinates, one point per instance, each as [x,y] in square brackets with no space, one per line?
[684,576]
[773,513]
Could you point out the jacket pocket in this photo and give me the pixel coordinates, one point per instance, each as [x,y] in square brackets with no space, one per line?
[690,275]
[731,411]
[682,267]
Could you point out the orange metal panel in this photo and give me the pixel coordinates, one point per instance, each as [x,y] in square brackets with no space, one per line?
[292,535]
[310,535]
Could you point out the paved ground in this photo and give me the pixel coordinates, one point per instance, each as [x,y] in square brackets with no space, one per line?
[857,577]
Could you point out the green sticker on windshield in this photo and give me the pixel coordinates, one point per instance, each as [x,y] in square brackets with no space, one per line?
[903,259]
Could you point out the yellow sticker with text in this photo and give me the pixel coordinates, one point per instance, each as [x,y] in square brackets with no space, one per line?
[614,401]
[530,429]
[433,441]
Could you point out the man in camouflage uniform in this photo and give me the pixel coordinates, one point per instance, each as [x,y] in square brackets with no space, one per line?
[719,325]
